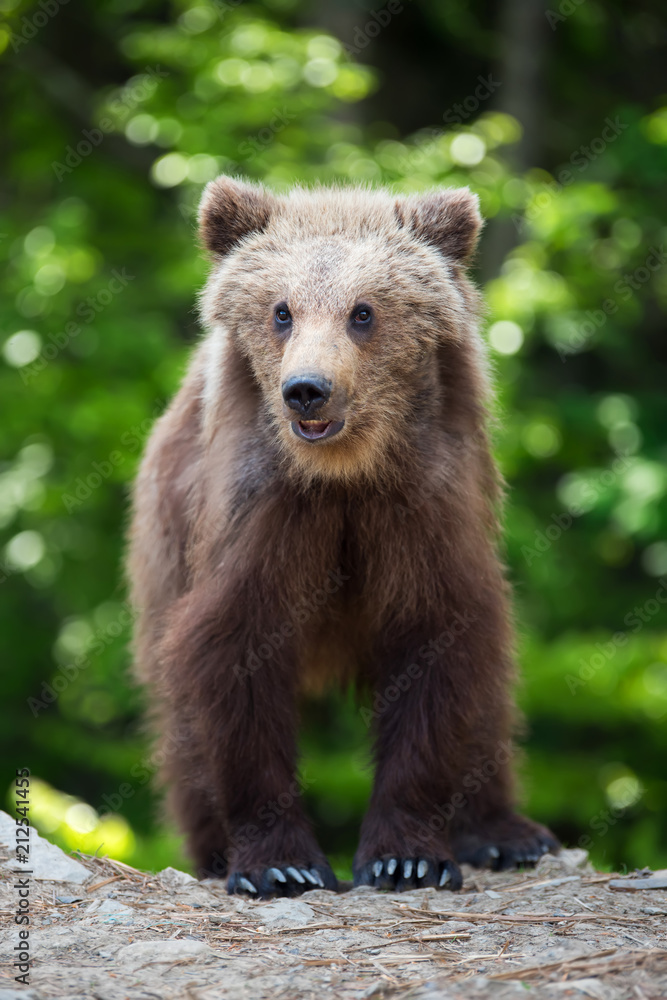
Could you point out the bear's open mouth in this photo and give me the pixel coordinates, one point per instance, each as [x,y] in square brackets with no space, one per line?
[316,430]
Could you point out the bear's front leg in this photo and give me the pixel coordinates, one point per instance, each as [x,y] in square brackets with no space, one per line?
[395,852]
[404,842]
[272,849]
[442,715]
[236,692]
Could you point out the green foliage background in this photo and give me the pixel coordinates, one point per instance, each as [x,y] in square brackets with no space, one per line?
[164,96]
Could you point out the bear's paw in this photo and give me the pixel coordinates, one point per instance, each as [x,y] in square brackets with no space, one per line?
[281,879]
[401,874]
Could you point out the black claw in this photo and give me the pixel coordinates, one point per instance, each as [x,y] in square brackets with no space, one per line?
[239,885]
[374,873]
[486,856]
[276,875]
[517,857]
[281,880]
[408,873]
[295,874]
[450,876]
[501,855]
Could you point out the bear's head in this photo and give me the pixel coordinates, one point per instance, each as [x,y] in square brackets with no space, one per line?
[349,312]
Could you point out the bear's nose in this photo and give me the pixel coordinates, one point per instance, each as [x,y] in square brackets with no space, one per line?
[305,394]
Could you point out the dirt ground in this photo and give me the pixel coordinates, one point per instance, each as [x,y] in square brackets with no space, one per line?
[102,930]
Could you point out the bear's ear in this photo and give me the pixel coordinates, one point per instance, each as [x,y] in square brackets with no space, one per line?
[448,219]
[230,210]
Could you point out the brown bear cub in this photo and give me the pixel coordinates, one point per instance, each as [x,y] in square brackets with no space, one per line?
[319,505]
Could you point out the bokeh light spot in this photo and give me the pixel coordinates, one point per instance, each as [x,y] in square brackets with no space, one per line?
[39,241]
[320,72]
[22,348]
[170,170]
[467,149]
[506,337]
[24,550]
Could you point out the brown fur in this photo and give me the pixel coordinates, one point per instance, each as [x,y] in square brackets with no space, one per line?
[356,552]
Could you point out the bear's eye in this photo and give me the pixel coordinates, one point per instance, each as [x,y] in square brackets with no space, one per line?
[282,315]
[362,316]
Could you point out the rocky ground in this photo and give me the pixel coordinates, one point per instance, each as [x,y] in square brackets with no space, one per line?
[102,930]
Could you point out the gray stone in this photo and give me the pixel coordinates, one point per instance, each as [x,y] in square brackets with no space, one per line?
[454,926]
[110,908]
[47,862]
[174,879]
[7,830]
[286,912]
[575,857]
[141,953]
